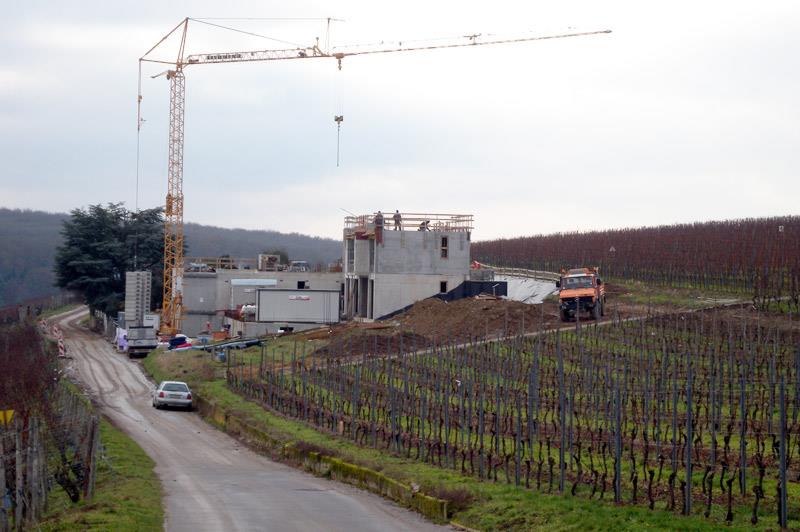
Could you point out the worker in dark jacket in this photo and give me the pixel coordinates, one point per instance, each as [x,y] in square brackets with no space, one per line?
[378,227]
[398,221]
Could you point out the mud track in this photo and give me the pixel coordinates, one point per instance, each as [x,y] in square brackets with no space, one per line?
[210,481]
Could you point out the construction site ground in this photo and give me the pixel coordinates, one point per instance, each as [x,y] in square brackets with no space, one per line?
[435,321]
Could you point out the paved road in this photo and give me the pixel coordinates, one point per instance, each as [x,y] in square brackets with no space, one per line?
[210,481]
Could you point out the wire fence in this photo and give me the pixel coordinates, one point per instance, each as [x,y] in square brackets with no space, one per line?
[33,308]
[49,436]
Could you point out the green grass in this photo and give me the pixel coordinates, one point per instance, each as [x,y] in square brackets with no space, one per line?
[47,314]
[127,492]
[494,506]
[686,297]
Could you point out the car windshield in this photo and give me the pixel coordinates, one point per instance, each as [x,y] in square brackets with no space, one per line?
[584,281]
[175,387]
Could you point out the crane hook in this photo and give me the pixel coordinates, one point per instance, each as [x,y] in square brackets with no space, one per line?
[338,119]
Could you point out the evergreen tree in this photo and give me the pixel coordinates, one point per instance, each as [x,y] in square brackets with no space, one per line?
[101,244]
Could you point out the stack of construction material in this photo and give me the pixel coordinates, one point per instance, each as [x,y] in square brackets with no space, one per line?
[137,296]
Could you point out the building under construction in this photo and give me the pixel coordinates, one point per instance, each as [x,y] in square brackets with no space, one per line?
[389,262]
[392,261]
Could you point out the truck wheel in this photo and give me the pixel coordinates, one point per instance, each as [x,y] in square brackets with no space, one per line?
[564,315]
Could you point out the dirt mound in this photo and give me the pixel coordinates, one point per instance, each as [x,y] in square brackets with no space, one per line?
[370,341]
[472,317]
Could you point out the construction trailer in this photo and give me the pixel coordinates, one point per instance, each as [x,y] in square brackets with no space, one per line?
[315,307]
[214,292]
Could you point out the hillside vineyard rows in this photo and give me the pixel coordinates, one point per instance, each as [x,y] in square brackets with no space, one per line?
[695,413]
[759,257]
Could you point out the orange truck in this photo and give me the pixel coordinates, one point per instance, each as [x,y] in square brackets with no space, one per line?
[581,289]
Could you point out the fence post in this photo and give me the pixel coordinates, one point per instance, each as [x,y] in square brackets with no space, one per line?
[689,377]
[743,436]
[617,443]
[91,458]
[782,503]
[562,418]
[3,488]
[18,468]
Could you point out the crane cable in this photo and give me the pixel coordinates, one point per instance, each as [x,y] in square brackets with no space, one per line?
[139,121]
[252,34]
[339,118]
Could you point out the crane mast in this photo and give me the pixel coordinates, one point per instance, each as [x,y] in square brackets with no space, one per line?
[172,306]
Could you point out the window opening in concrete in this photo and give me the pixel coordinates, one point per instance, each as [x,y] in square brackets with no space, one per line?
[442,287]
[444,247]
[371,255]
[371,303]
[301,285]
[351,254]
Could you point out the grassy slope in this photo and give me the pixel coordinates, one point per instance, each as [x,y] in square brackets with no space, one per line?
[47,314]
[495,505]
[637,292]
[127,495]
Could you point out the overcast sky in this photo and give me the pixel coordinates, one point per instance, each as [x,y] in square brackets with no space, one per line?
[687,111]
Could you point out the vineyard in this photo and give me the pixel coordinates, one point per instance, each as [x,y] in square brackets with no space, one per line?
[49,436]
[695,413]
[757,257]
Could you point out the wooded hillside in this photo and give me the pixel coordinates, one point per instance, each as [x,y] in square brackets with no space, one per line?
[28,240]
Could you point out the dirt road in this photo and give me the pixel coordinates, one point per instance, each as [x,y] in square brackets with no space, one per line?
[210,481]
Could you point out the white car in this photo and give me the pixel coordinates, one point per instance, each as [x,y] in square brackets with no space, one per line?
[172,393]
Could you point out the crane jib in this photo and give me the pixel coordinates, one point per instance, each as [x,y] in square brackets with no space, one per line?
[172,309]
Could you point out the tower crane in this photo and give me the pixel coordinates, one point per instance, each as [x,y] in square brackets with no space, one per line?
[172,306]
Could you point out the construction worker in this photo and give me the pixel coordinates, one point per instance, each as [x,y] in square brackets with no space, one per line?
[378,227]
[398,225]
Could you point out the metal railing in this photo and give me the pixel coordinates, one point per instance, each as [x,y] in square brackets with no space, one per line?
[520,272]
[212,264]
[411,221]
[215,264]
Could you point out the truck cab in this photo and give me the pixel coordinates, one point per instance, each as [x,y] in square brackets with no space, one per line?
[581,289]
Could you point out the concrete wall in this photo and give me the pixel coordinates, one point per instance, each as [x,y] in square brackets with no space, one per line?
[361,259]
[200,292]
[394,292]
[415,252]
[406,267]
[195,323]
